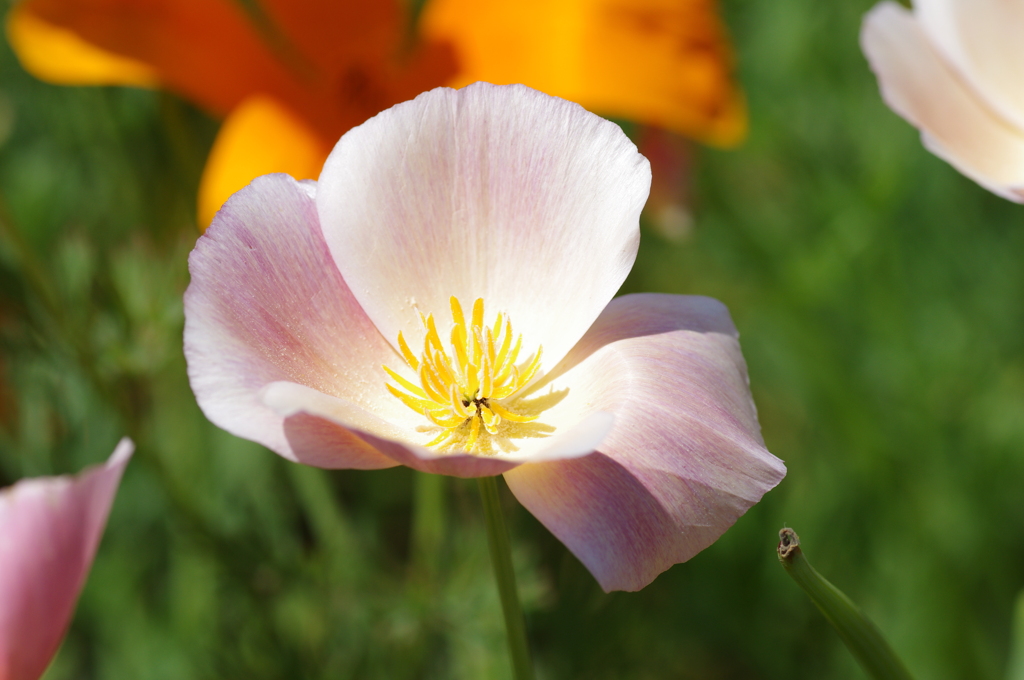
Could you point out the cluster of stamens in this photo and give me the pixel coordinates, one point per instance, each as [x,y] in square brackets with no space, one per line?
[461,392]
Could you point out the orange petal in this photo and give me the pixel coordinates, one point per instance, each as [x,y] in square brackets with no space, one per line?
[334,62]
[334,33]
[57,55]
[360,57]
[261,136]
[660,62]
[206,50]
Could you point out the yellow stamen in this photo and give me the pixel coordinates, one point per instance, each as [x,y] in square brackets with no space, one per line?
[431,385]
[460,388]
[474,432]
[457,405]
[407,354]
[432,336]
[439,438]
[489,342]
[443,367]
[511,359]
[457,316]
[491,420]
[486,380]
[411,402]
[478,346]
[459,345]
[478,313]
[443,418]
[508,415]
[405,383]
[505,344]
[531,369]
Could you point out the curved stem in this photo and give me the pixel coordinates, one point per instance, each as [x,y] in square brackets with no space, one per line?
[861,636]
[504,574]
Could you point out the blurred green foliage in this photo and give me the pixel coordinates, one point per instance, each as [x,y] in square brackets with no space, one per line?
[879,295]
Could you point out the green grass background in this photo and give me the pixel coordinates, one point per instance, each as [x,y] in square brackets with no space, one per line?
[879,297]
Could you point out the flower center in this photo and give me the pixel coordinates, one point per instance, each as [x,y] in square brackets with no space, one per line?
[462,391]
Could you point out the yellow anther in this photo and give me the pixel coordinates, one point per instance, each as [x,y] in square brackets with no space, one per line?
[457,316]
[407,354]
[459,345]
[531,370]
[438,439]
[486,380]
[412,402]
[473,381]
[508,415]
[443,367]
[443,418]
[505,344]
[460,388]
[405,383]
[457,405]
[504,391]
[491,419]
[478,346]
[431,385]
[511,359]
[432,337]
[474,432]
[489,346]
[478,313]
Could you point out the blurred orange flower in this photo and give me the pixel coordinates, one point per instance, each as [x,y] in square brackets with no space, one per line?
[290,76]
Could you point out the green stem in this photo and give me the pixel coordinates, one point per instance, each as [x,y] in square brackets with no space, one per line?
[861,636]
[504,574]
[428,524]
[1015,665]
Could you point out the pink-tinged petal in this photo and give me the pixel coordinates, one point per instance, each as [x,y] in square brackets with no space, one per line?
[504,193]
[267,304]
[956,125]
[684,458]
[292,401]
[578,438]
[980,39]
[49,530]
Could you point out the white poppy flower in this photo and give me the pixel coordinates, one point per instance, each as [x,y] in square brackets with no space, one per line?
[955,70]
[626,426]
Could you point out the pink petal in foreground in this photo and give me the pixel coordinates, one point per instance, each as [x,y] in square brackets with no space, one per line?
[49,530]
[684,459]
[956,124]
[266,304]
[292,401]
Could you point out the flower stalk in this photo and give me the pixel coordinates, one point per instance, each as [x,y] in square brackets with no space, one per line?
[504,574]
[859,634]
[1015,664]
[428,524]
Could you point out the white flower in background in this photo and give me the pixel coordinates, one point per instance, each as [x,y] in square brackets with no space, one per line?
[955,70]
